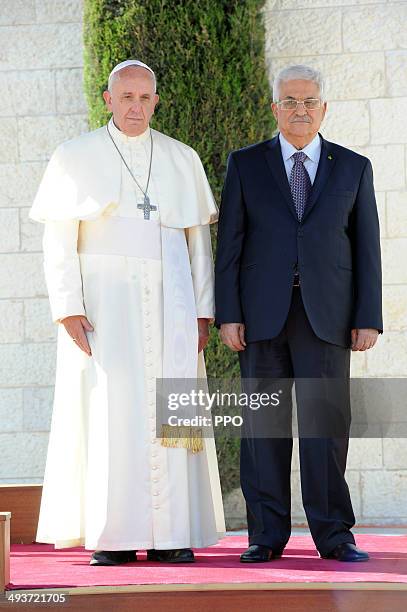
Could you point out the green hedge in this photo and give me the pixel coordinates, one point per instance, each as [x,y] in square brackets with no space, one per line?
[208,56]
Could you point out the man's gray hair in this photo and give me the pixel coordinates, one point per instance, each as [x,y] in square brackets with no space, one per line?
[300,72]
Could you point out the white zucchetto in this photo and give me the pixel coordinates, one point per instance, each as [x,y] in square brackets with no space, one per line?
[127,63]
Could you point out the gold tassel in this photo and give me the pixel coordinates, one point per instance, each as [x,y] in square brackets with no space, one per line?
[182,437]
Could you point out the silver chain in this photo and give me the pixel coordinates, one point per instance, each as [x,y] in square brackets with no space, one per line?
[125,163]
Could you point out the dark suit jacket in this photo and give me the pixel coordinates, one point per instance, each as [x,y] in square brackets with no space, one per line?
[335,248]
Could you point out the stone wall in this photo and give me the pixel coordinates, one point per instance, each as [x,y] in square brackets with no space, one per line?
[361,47]
[41,105]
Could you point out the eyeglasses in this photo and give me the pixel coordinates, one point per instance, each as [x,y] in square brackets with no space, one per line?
[292,105]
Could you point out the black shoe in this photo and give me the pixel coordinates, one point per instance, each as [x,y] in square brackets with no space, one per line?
[347,552]
[258,553]
[177,555]
[112,557]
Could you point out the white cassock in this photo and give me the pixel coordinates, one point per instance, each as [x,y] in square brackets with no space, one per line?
[109,484]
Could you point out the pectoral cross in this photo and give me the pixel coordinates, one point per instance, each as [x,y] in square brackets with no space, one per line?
[146,206]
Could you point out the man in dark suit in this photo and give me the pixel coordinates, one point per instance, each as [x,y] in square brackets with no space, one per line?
[298,286]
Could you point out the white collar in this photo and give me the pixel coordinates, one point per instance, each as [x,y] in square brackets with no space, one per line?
[312,150]
[122,137]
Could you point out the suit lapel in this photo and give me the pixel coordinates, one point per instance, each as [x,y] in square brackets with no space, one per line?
[276,164]
[325,166]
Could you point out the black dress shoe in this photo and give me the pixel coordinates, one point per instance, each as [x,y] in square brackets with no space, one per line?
[258,553]
[347,552]
[112,557]
[177,555]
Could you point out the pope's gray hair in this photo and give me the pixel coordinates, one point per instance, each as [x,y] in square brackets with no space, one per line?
[300,72]
[115,75]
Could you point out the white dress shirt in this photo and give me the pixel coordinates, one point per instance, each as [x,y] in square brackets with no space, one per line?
[312,151]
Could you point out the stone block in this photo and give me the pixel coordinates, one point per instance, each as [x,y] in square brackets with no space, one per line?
[295,460]
[365,453]
[353,480]
[23,454]
[347,76]
[38,321]
[19,183]
[41,46]
[310,32]
[387,125]
[21,480]
[9,230]
[31,233]
[382,212]
[11,321]
[375,27]
[11,410]
[396,70]
[69,88]
[39,136]
[395,454]
[27,364]
[27,93]
[358,364]
[397,214]
[297,510]
[21,275]
[16,12]
[395,308]
[394,254]
[384,493]
[347,122]
[388,165]
[388,357]
[8,140]
[59,10]
[37,408]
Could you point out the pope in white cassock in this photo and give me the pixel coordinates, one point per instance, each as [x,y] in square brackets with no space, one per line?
[128,265]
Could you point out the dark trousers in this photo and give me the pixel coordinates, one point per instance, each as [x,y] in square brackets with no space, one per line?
[265,462]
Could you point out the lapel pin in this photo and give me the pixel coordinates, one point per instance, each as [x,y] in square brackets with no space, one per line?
[330,157]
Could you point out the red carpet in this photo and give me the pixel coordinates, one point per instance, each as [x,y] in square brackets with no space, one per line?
[40,565]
